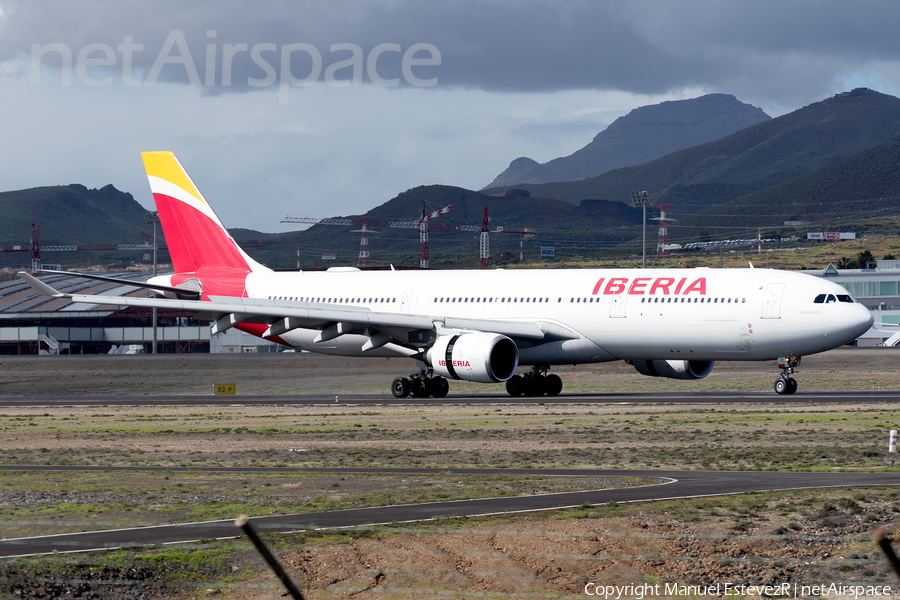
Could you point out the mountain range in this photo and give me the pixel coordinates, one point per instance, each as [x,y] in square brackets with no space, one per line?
[749,160]
[834,159]
[640,136]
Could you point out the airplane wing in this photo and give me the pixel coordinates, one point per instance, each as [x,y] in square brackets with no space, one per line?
[331,321]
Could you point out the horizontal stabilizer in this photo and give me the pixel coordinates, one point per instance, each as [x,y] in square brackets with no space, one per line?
[183,293]
[40,287]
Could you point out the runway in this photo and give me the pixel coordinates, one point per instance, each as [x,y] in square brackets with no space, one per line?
[800,397]
[675,484]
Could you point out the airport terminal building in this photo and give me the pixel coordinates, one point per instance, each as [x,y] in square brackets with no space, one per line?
[35,324]
[878,290]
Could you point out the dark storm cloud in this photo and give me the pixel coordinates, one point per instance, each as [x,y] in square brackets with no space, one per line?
[778,49]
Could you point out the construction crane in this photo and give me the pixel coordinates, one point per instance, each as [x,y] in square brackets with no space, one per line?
[423,224]
[662,244]
[423,232]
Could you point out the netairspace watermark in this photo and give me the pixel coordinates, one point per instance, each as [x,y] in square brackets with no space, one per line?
[783,590]
[175,54]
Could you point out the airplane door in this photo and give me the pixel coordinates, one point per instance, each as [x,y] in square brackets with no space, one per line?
[617,306]
[405,301]
[771,308]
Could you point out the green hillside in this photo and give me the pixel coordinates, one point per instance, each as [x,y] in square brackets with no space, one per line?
[752,159]
[866,184]
[71,214]
[556,223]
[644,134]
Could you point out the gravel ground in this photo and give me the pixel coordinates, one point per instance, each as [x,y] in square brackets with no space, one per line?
[796,538]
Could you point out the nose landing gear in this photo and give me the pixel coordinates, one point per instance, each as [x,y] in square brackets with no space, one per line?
[786,384]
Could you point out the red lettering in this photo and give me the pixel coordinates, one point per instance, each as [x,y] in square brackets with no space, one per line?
[698,286]
[662,283]
[615,286]
[637,286]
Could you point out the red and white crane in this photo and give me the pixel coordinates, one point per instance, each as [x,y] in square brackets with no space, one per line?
[423,224]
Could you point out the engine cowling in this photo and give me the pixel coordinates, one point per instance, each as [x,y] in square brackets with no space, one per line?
[674,369]
[481,357]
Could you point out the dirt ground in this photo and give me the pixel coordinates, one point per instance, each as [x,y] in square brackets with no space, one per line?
[793,538]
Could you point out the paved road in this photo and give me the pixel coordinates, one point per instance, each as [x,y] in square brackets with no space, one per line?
[676,484]
[502,398]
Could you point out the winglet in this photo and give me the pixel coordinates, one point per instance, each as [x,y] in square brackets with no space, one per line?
[40,287]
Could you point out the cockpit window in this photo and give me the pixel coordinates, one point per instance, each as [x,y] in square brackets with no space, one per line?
[829,298]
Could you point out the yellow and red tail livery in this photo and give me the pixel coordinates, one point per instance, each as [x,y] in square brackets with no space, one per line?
[197,241]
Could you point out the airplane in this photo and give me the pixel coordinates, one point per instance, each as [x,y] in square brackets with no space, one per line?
[481,326]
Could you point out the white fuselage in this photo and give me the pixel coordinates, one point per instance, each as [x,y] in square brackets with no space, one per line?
[689,314]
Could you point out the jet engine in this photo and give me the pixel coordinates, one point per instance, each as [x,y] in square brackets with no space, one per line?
[481,357]
[674,369]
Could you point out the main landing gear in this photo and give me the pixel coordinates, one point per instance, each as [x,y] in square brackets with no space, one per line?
[534,383]
[786,384]
[420,385]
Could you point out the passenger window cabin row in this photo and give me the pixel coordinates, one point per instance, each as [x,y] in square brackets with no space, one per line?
[821,298]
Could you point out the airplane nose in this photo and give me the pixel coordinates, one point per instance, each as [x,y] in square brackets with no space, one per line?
[860,320]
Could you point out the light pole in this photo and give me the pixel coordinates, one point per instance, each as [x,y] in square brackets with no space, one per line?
[642,199]
[153,218]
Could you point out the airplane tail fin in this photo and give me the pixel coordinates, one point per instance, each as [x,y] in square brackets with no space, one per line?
[197,241]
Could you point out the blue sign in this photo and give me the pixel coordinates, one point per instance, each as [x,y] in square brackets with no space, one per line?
[545,251]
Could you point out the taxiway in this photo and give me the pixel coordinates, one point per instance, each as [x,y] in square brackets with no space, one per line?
[674,484]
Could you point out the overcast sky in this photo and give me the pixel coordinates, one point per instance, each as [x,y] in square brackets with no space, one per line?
[326,108]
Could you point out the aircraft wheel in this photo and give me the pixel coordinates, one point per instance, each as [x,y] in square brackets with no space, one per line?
[515,385]
[439,387]
[420,388]
[534,386]
[781,386]
[552,385]
[400,387]
[791,386]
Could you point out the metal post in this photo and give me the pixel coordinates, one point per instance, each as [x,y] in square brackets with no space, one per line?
[155,320]
[153,217]
[642,199]
[485,244]
[644,239]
